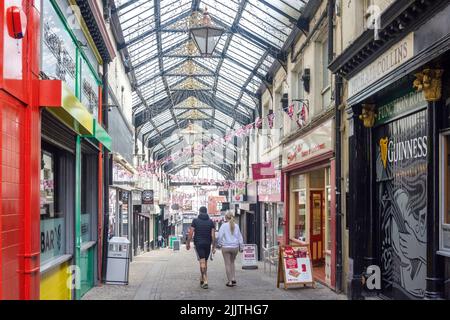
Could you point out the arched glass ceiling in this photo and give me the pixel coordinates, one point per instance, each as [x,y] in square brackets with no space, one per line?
[166,71]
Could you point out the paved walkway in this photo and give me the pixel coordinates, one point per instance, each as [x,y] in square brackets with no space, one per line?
[168,275]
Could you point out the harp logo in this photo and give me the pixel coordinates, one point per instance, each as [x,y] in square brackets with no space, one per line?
[384,150]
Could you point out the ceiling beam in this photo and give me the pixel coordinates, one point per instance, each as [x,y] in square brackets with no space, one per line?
[157,29]
[157,9]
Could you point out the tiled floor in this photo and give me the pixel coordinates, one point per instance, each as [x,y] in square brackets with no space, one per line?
[165,274]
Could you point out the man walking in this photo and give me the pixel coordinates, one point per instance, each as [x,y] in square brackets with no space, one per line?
[203,230]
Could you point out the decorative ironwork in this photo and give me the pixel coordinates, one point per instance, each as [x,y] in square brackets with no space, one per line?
[194,115]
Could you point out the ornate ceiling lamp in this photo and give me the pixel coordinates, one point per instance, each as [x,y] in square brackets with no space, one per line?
[205,35]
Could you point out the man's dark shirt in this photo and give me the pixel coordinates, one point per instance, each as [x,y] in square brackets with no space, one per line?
[203,226]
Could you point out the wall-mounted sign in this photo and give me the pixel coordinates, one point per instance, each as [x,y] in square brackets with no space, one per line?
[147,197]
[269,190]
[391,59]
[317,142]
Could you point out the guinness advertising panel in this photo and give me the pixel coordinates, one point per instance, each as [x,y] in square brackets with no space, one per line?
[401,151]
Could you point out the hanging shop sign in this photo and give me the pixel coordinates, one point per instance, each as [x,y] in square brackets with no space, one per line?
[390,60]
[264,170]
[294,266]
[317,142]
[249,257]
[269,190]
[124,196]
[147,197]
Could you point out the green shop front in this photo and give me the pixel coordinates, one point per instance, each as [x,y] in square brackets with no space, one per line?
[72,145]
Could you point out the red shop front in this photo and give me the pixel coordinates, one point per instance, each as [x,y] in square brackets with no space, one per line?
[309,197]
[20,151]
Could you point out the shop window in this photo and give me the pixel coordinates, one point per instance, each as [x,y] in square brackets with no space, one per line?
[326,75]
[52,224]
[58,49]
[89,89]
[300,217]
[89,192]
[445,195]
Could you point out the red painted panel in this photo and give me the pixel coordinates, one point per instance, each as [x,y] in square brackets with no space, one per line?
[333,223]
[285,187]
[12,214]
[20,164]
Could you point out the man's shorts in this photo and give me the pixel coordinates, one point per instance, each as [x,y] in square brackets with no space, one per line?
[203,251]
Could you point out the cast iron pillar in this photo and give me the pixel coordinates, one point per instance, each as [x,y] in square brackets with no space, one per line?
[429,82]
[359,201]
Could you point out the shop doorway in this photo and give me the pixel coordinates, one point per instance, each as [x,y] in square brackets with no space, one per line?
[316,228]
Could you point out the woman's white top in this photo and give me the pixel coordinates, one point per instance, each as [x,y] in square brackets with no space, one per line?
[228,240]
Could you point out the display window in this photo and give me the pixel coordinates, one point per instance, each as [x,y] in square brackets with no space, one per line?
[58,50]
[89,88]
[89,191]
[445,194]
[52,215]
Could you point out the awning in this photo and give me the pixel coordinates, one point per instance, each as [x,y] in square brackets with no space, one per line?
[102,136]
[64,105]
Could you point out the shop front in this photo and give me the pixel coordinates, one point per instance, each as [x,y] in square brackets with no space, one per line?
[309,205]
[72,143]
[272,211]
[141,225]
[398,113]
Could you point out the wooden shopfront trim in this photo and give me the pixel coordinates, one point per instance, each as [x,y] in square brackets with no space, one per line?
[318,162]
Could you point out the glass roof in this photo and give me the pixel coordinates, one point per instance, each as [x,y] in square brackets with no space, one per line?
[167,68]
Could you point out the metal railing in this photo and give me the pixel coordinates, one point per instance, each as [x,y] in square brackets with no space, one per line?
[270,256]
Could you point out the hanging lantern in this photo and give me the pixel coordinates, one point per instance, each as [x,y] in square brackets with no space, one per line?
[205,35]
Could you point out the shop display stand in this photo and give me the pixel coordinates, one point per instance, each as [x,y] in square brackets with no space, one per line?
[282,269]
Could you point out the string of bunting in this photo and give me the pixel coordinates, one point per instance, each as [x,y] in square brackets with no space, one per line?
[150,168]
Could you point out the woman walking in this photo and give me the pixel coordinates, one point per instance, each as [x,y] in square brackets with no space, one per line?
[231,241]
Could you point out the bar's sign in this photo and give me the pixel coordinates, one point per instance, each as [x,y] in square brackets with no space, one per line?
[397,55]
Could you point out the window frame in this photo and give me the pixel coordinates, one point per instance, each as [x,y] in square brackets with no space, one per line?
[444,139]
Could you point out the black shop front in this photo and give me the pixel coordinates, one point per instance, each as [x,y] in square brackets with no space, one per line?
[398,196]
